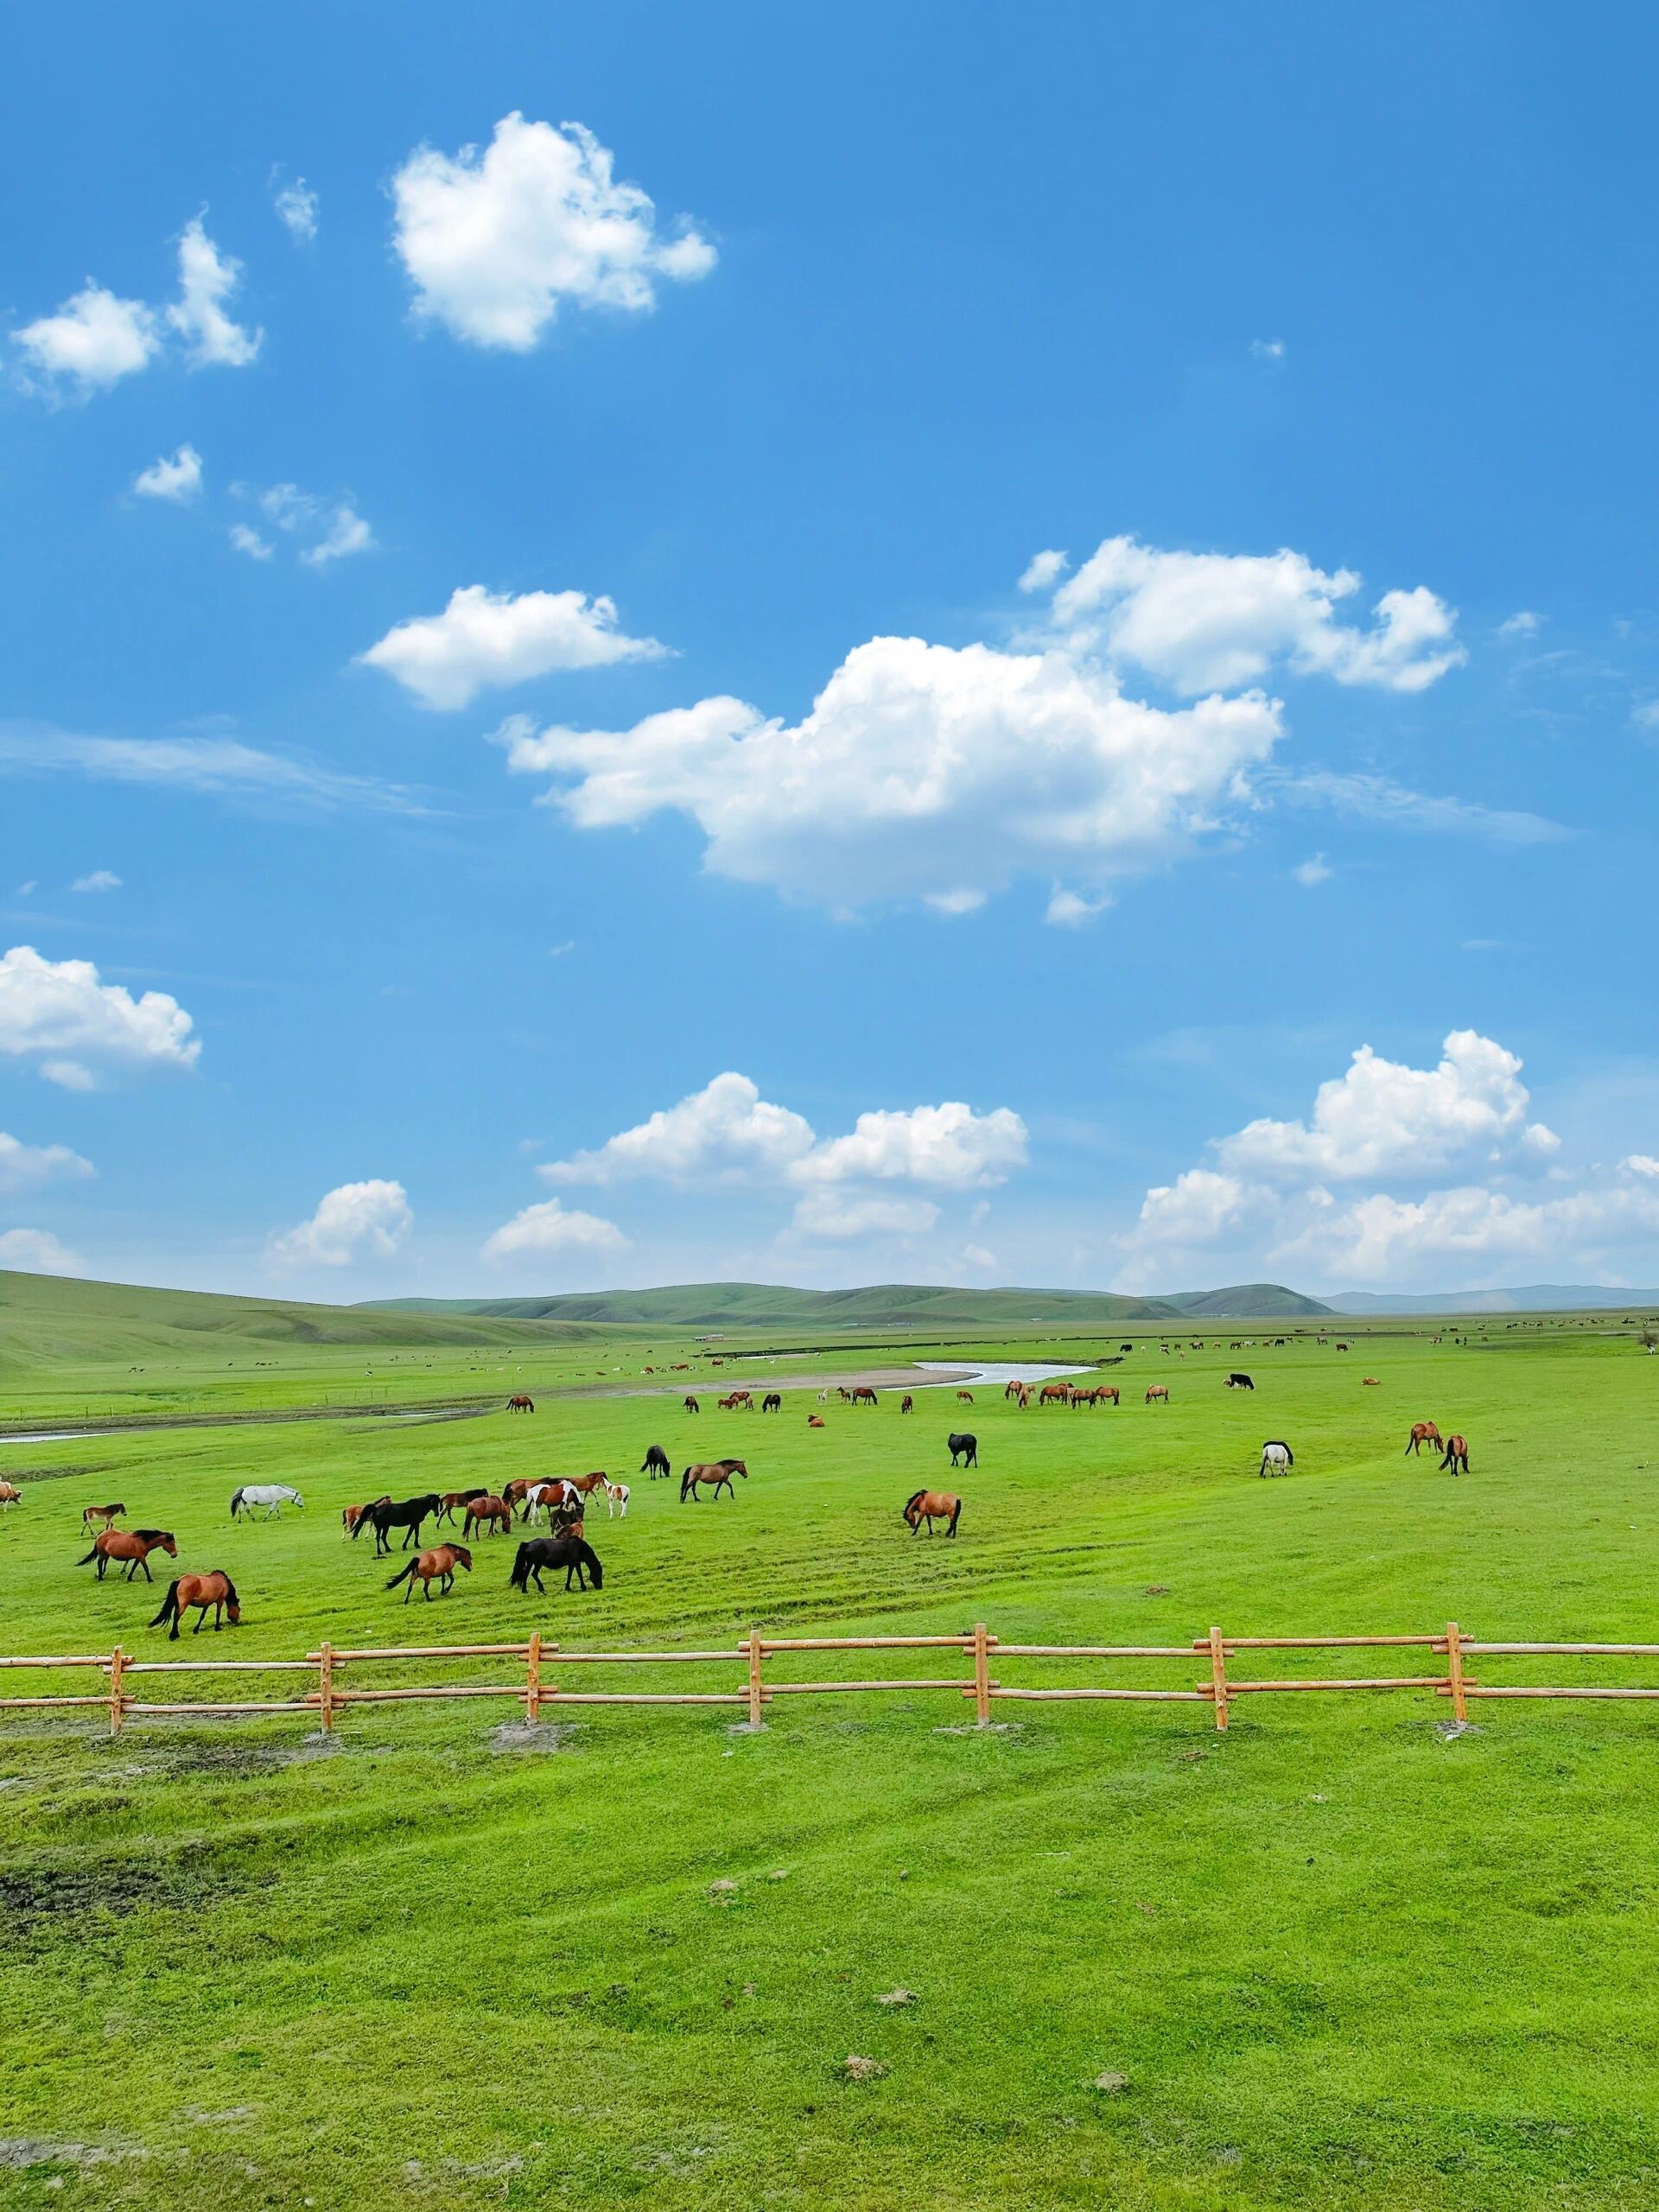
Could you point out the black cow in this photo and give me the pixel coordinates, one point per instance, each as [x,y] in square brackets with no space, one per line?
[1237,1382]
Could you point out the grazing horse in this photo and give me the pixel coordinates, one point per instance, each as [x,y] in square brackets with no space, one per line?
[964,1397]
[932,1505]
[771,1403]
[656,1463]
[1157,1390]
[519,1403]
[728,1405]
[1106,1393]
[490,1515]
[1341,1347]
[272,1496]
[1237,1382]
[133,1545]
[1457,1455]
[1422,1432]
[616,1500]
[437,1565]
[1011,1390]
[862,1394]
[964,1450]
[1053,1394]
[1279,1457]
[200,1590]
[92,1514]
[692,1406]
[408,1516]
[351,1515]
[716,1474]
[571,1552]
[814,1421]
[10,1494]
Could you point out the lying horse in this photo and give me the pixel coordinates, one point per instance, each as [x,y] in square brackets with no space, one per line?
[964,1450]
[407,1514]
[1279,1457]
[716,1473]
[437,1565]
[932,1505]
[1457,1455]
[656,1463]
[1422,1432]
[814,1421]
[570,1553]
[133,1545]
[106,1514]
[200,1590]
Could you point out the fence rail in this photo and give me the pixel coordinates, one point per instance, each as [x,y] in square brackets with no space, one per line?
[755,1690]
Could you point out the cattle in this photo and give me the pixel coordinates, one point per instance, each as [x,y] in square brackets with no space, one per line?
[1237,1382]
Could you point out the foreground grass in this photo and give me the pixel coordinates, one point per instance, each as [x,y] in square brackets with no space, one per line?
[1335,1957]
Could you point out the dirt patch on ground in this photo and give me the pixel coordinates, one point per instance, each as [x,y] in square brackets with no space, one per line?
[40,1899]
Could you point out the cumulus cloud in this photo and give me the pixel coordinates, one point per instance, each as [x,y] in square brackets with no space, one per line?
[325,530]
[1642,1163]
[57,1013]
[1044,571]
[1204,621]
[101,879]
[1382,1117]
[724,1133]
[353,1222]
[23,1167]
[93,341]
[831,1212]
[178,478]
[922,770]
[297,207]
[1382,1237]
[552,1228]
[495,241]
[207,282]
[37,1252]
[486,639]
[949,1146]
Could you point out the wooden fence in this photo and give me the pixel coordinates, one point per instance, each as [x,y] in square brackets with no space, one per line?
[978,1648]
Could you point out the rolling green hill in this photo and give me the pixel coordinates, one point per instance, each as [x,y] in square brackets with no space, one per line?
[1248,1301]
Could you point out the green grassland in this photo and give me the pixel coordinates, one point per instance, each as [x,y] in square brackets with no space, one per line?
[1337,1957]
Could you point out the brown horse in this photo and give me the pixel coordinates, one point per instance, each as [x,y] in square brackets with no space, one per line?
[715,1475]
[585,1485]
[519,1403]
[493,1515]
[1457,1455]
[454,1500]
[132,1544]
[437,1565]
[518,1490]
[862,1394]
[1107,1393]
[1053,1394]
[91,1516]
[964,1397]
[1157,1390]
[692,1406]
[1374,1381]
[351,1515]
[1011,1390]
[932,1505]
[200,1590]
[906,1404]
[1422,1432]
[814,1421]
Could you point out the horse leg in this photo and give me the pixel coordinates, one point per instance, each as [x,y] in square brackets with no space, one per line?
[144,1563]
[201,1619]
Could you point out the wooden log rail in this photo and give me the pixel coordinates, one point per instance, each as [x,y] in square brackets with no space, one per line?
[975,1647]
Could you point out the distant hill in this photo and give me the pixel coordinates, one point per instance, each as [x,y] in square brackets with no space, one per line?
[881,1306]
[1531,1297]
[45,1318]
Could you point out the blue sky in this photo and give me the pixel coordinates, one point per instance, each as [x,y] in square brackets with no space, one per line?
[516,629]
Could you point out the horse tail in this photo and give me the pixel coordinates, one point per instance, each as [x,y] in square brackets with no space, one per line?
[589,1559]
[519,1579]
[955,1517]
[91,1555]
[170,1605]
[236,1500]
[403,1577]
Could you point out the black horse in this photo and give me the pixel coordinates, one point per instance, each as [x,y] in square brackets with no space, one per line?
[656,1463]
[964,1451]
[570,1553]
[407,1516]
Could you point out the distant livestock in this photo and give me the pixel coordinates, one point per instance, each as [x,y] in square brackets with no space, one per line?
[714,1476]
[272,1496]
[10,1494]
[906,1404]
[1279,1457]
[1237,1382]
[518,1403]
[964,1451]
[93,1515]
[1457,1455]
[655,1463]
[814,1421]
[771,1403]
[692,1406]
[1422,1432]
[1158,1390]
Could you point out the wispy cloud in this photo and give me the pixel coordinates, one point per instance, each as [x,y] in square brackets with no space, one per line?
[1379,799]
[221,767]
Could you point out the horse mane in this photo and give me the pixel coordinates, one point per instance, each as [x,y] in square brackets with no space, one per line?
[150,1535]
[909,1502]
[230,1597]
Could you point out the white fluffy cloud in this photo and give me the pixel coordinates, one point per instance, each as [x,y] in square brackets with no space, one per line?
[207,282]
[922,770]
[57,1013]
[1642,1163]
[830,1212]
[485,639]
[353,1222]
[1382,1117]
[93,341]
[23,1167]
[494,241]
[297,207]
[37,1252]
[550,1229]
[325,530]
[178,478]
[947,1147]
[1203,622]
[1381,1239]
[1044,571]
[1310,873]
[724,1133]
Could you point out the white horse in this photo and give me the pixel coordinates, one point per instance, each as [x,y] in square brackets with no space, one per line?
[272,1496]
[616,1500]
[1279,1457]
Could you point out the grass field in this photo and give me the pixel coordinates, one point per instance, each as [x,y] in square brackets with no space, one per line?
[1336,1957]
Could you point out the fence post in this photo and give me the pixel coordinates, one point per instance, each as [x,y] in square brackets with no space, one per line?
[1218,1675]
[325,1686]
[981,1675]
[533,1677]
[1454,1670]
[116,1702]
[755,1721]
